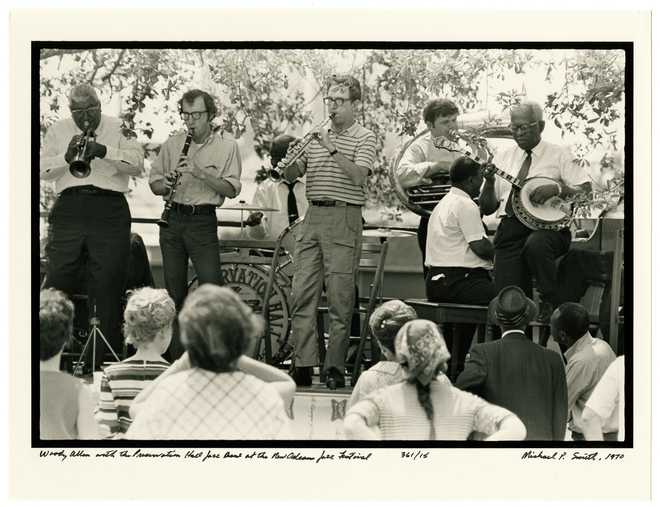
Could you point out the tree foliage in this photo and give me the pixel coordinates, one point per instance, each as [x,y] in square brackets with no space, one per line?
[261,90]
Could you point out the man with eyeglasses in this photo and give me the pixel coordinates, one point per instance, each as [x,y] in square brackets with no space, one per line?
[209,173]
[423,162]
[521,253]
[330,238]
[90,222]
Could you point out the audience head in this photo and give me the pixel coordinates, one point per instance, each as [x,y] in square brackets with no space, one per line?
[148,318]
[217,327]
[512,309]
[569,323]
[465,174]
[422,352]
[386,321]
[55,322]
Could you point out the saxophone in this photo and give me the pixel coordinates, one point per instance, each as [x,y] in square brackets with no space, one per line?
[164,218]
[295,152]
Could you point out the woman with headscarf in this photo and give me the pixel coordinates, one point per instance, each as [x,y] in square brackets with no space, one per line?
[427,406]
[213,399]
[384,323]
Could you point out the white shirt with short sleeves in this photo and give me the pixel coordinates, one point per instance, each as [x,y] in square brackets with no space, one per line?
[549,160]
[608,398]
[454,223]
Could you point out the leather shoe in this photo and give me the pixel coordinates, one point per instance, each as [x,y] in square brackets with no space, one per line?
[302,376]
[335,380]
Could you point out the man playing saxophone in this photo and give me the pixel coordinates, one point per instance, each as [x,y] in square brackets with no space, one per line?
[90,223]
[330,239]
[209,173]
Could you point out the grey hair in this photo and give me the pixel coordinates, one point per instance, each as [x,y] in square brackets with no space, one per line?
[533,107]
[83,91]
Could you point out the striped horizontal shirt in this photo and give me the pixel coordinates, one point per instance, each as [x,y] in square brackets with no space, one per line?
[396,411]
[120,384]
[325,179]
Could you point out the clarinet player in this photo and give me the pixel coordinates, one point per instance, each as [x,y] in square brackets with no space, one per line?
[209,172]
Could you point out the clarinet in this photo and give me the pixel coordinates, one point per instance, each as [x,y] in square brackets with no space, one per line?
[164,218]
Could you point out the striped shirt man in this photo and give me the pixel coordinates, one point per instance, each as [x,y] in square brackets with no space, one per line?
[120,384]
[325,179]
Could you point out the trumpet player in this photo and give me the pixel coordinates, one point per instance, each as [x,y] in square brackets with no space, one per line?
[90,223]
[336,163]
[209,173]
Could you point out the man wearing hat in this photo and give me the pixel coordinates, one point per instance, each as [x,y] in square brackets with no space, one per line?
[517,374]
[286,195]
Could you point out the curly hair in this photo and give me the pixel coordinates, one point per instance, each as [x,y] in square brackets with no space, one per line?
[217,327]
[387,319]
[352,84]
[55,322]
[438,107]
[147,312]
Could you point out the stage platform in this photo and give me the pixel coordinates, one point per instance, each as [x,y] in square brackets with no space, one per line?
[318,413]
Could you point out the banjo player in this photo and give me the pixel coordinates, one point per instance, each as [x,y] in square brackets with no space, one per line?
[520,252]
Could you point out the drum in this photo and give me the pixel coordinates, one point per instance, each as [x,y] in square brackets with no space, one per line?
[250,282]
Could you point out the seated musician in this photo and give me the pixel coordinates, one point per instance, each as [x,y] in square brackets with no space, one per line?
[423,162]
[520,252]
[458,254]
[287,196]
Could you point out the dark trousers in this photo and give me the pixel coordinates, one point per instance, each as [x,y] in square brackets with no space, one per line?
[91,232]
[193,237]
[521,253]
[422,233]
[460,286]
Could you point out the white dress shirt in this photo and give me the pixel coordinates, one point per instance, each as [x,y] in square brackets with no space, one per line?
[418,158]
[549,160]
[124,157]
[454,223]
[271,194]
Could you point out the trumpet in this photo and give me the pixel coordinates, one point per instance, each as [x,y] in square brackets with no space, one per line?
[169,201]
[80,165]
[296,151]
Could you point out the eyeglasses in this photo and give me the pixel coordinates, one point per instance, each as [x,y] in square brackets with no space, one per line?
[338,101]
[195,115]
[87,110]
[524,127]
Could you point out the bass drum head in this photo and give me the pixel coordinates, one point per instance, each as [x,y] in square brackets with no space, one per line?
[249,282]
[548,212]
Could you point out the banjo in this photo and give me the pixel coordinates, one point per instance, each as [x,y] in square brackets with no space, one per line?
[554,214]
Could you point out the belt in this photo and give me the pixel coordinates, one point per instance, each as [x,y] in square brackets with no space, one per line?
[193,209]
[90,190]
[330,204]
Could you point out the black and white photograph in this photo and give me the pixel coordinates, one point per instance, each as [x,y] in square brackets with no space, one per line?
[329,249]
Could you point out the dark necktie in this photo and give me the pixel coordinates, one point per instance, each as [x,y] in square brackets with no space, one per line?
[522,176]
[292,205]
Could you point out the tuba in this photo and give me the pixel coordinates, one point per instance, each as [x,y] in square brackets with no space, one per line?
[421,199]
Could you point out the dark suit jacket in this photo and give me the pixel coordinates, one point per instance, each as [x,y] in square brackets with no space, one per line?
[527,379]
